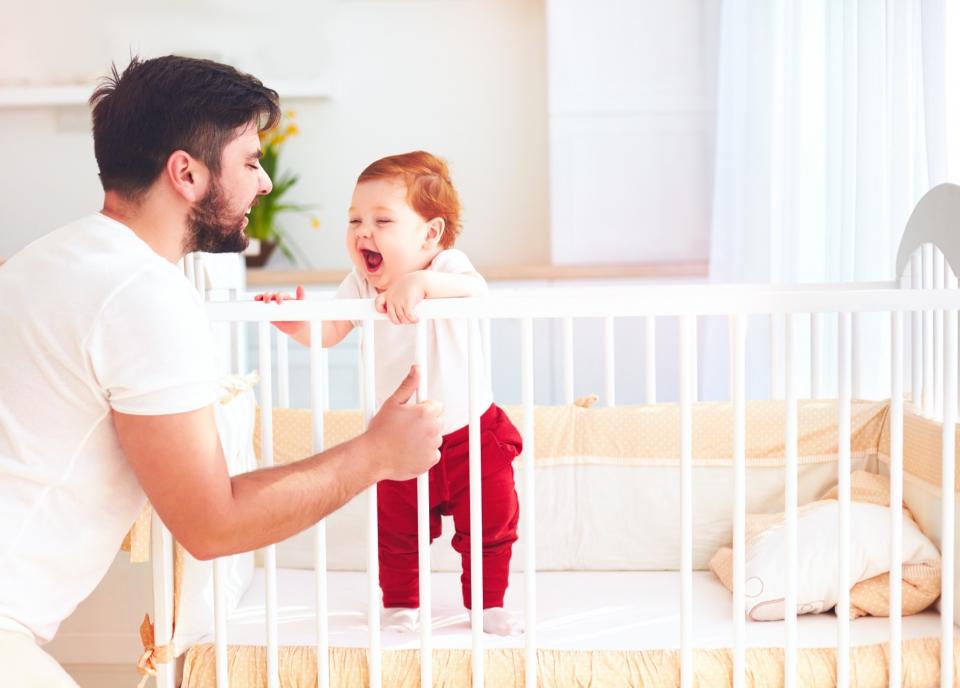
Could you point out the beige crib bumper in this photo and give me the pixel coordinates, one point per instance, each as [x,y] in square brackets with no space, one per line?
[647,436]
[504,668]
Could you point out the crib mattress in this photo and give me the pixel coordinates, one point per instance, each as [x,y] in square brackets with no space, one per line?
[611,628]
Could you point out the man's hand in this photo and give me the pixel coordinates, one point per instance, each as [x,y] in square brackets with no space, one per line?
[400,299]
[403,439]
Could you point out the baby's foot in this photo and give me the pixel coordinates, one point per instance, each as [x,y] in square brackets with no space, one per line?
[400,619]
[499,621]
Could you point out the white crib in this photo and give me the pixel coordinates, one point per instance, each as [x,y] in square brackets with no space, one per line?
[921,308]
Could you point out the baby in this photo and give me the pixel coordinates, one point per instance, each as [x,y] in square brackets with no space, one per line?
[403,221]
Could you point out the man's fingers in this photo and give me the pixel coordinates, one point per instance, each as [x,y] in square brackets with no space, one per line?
[407,388]
[301,292]
[431,408]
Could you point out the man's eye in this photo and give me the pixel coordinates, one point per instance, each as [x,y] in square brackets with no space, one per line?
[354,222]
[384,220]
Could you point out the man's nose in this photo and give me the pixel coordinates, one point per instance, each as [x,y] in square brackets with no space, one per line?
[266,185]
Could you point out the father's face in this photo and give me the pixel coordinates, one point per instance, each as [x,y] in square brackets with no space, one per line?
[216,222]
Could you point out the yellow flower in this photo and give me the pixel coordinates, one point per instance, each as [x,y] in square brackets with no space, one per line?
[315,222]
[292,130]
[290,114]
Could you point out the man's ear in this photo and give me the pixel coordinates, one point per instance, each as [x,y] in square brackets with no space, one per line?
[435,229]
[188,176]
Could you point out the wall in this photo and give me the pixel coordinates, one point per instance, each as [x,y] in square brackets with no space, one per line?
[631,103]
[462,78]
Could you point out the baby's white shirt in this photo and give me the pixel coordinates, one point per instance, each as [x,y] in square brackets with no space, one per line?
[447,349]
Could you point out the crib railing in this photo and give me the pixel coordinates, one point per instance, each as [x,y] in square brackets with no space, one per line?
[929,308]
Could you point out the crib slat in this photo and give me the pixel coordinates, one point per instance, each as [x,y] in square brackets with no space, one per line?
[928,342]
[266,457]
[855,326]
[688,326]
[325,388]
[487,358]
[423,529]
[776,362]
[283,370]
[567,340]
[938,371]
[843,483]
[896,496]
[790,500]
[738,330]
[816,356]
[188,268]
[199,276]
[373,561]
[528,522]
[476,518]
[650,356]
[609,393]
[916,336]
[949,496]
[318,376]
[161,557]
[219,624]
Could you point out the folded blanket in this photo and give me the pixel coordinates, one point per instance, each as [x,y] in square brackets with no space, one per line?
[818,560]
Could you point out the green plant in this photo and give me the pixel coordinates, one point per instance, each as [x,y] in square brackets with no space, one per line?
[263,223]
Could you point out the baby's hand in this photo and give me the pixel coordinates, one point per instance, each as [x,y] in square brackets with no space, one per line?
[399,300]
[288,327]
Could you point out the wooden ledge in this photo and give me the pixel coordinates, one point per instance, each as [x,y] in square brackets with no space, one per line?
[262,276]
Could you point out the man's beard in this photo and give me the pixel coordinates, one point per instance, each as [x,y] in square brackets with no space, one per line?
[210,228]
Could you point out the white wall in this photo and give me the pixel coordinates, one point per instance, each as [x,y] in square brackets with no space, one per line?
[631,129]
[462,78]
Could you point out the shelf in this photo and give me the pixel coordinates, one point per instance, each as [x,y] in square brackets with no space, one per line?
[24,97]
[691,270]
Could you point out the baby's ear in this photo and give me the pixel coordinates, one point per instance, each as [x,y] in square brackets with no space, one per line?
[435,229]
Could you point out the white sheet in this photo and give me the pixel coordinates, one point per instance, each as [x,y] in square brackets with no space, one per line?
[584,610]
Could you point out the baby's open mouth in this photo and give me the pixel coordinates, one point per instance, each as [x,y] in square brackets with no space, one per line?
[372,259]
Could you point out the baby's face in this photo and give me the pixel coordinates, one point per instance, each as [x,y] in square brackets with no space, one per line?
[386,238]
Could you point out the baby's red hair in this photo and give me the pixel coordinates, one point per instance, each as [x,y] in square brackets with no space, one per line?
[429,189]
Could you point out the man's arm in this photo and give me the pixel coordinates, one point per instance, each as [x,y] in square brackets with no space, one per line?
[179,462]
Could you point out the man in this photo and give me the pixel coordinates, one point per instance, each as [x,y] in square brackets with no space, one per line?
[107,371]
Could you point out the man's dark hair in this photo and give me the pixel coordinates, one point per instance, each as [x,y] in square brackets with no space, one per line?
[171,103]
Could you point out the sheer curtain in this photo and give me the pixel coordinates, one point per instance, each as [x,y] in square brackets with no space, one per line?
[831,123]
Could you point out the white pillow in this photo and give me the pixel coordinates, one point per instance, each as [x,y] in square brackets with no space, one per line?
[819,569]
[194,623]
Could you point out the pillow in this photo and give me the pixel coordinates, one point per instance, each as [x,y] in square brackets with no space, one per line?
[818,563]
[194,613]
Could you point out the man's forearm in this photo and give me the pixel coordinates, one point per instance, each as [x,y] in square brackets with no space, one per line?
[271,504]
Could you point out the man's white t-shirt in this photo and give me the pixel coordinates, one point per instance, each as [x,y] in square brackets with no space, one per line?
[447,349]
[91,320]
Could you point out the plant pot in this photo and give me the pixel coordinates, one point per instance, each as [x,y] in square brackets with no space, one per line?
[258,257]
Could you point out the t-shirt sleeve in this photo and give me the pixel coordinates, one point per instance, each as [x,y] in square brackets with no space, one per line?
[351,288]
[151,348]
[452,261]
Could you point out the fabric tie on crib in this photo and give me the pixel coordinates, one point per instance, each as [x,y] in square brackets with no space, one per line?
[152,655]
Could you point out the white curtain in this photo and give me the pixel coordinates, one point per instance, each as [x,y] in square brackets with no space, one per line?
[831,123]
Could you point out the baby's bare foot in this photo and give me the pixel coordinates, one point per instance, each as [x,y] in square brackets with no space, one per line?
[400,619]
[499,621]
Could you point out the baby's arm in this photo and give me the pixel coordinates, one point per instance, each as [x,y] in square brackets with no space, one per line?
[399,300]
[333,330]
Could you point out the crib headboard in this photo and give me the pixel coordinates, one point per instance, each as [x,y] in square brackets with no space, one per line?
[935,220]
